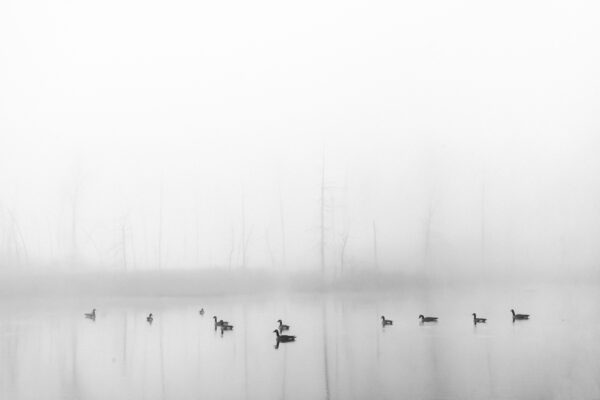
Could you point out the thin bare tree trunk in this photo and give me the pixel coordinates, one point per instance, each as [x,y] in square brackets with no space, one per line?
[19,234]
[78,178]
[197,239]
[232,247]
[160,225]
[243,241]
[426,252]
[343,252]
[333,248]
[483,226]
[282,224]
[375,260]
[272,258]
[133,253]
[323,215]
[124,244]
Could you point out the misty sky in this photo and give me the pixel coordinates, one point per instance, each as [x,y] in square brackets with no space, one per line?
[467,131]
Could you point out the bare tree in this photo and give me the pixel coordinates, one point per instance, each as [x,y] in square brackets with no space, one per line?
[269,250]
[197,252]
[132,248]
[245,234]
[282,225]
[483,226]
[232,249]
[243,241]
[160,224]
[245,248]
[17,235]
[375,261]
[344,243]
[124,241]
[323,215]
[427,244]
[74,198]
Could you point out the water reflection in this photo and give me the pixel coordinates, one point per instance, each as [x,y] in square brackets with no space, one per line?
[342,351]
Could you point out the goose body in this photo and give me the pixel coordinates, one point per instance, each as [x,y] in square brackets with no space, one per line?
[283,327]
[91,315]
[149,318]
[201,312]
[385,322]
[226,327]
[519,316]
[428,319]
[478,320]
[284,338]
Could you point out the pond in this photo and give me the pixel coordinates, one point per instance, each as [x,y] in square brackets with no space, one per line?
[48,350]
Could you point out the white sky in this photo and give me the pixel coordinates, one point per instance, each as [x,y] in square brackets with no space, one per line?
[415,105]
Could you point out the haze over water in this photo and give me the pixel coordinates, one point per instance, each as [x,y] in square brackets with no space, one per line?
[48,350]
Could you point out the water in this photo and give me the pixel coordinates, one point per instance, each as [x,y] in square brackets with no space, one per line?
[49,351]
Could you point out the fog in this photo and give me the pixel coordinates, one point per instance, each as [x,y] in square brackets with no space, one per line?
[444,139]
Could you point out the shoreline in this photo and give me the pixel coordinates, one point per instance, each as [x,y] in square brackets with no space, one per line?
[186,283]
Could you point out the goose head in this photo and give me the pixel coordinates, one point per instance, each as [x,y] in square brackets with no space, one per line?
[474,315]
[421,316]
[383,318]
[512,311]
[276,332]
[280,322]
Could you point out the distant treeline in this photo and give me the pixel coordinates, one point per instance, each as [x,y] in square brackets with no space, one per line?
[217,282]
[189,283]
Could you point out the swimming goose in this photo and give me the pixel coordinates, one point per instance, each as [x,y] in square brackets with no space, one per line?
[519,316]
[284,338]
[428,319]
[385,322]
[478,320]
[91,315]
[220,322]
[201,312]
[283,327]
[149,318]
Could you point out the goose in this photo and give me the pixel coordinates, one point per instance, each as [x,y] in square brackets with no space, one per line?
[385,322]
[283,327]
[519,316]
[428,319]
[149,318]
[284,338]
[478,320]
[201,312]
[220,322]
[91,315]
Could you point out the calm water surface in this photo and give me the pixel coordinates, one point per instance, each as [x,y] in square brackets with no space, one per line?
[49,351]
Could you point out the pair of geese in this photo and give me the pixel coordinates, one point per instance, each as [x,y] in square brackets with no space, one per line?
[224,325]
[283,338]
[476,320]
[92,316]
[219,323]
[386,322]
